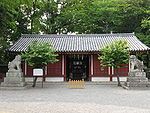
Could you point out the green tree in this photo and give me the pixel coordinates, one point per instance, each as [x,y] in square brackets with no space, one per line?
[115,55]
[49,14]
[131,13]
[74,16]
[81,16]
[7,23]
[144,33]
[39,54]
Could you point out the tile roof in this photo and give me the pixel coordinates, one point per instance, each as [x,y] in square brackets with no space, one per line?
[79,42]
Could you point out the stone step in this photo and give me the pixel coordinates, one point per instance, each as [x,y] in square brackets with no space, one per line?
[86,83]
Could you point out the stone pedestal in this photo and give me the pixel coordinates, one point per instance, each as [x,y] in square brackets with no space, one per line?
[13,78]
[137,79]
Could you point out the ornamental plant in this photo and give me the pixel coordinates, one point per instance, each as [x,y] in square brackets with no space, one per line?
[115,54]
[39,54]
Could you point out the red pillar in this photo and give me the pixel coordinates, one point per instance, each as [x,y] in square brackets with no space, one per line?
[63,67]
[91,67]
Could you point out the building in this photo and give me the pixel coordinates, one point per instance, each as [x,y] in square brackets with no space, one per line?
[78,55]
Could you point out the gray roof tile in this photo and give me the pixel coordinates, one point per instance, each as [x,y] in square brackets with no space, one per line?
[79,42]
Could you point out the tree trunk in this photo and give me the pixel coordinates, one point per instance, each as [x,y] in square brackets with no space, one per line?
[119,84]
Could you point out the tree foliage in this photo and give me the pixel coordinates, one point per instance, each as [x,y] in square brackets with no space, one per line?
[115,55]
[69,16]
[40,54]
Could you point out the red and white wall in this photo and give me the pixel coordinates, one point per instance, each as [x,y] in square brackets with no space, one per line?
[57,71]
[108,73]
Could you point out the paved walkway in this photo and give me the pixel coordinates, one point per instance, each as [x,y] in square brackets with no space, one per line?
[57,98]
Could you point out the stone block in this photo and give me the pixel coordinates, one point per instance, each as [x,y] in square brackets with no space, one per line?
[137,74]
[13,79]
[137,79]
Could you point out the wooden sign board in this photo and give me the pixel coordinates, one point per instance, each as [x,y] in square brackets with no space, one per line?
[37,72]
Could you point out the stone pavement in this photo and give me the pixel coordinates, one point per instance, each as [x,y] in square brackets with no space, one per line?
[57,98]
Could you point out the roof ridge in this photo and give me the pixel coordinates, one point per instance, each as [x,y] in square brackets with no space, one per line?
[72,35]
[105,34]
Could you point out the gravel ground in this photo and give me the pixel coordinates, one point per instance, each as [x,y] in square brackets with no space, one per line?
[57,98]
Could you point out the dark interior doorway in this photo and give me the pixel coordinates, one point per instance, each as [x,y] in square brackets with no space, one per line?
[77,67]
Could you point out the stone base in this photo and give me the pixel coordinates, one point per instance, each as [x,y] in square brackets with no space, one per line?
[137,74]
[137,84]
[137,79]
[13,79]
